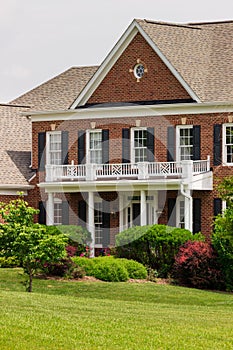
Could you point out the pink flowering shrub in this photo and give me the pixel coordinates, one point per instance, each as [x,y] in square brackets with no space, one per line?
[196,266]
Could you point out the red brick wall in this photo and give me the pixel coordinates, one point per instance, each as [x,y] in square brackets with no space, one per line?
[120,85]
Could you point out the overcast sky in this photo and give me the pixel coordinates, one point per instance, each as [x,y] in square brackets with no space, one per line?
[42,38]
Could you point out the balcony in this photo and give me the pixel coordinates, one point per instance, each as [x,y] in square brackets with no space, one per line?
[185,170]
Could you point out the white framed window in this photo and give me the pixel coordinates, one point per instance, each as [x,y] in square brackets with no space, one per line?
[57,216]
[228,144]
[94,146]
[139,144]
[184,142]
[98,218]
[180,212]
[53,148]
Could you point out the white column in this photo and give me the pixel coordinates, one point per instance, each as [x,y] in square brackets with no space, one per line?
[50,209]
[91,223]
[143,214]
[188,205]
[121,212]
[156,207]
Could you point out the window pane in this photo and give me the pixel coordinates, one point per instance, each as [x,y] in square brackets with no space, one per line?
[186,143]
[96,147]
[140,145]
[57,213]
[55,148]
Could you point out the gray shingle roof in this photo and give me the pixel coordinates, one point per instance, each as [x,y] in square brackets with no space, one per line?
[15,148]
[59,92]
[200,52]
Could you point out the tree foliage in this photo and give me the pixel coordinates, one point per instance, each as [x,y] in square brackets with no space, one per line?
[29,243]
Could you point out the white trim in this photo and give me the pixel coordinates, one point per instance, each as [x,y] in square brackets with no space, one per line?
[113,56]
[224,151]
[132,111]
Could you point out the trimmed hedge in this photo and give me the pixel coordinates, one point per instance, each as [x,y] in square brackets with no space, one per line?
[111,269]
[153,246]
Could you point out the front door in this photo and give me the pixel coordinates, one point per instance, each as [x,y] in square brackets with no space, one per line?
[136,214]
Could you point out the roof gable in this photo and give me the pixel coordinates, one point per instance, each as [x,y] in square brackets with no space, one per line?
[133,30]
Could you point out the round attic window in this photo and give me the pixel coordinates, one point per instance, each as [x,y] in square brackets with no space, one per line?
[139,70]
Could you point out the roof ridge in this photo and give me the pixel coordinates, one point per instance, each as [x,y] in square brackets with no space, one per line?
[188,26]
[213,22]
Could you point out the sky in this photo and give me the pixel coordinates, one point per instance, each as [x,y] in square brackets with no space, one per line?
[42,38]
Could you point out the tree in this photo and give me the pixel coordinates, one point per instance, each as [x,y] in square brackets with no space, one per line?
[30,243]
[222,238]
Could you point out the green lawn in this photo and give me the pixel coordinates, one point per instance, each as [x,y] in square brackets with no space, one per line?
[80,315]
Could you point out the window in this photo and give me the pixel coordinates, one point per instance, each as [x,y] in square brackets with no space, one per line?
[54,148]
[139,145]
[228,143]
[185,142]
[98,223]
[57,218]
[181,214]
[139,70]
[95,147]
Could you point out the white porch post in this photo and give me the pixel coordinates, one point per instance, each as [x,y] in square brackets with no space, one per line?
[91,222]
[143,214]
[156,207]
[50,209]
[121,212]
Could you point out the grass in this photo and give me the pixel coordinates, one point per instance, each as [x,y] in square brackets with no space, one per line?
[85,315]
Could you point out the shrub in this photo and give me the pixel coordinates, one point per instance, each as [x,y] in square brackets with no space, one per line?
[79,237]
[153,246]
[10,261]
[63,268]
[196,266]
[135,269]
[85,263]
[109,269]
[222,240]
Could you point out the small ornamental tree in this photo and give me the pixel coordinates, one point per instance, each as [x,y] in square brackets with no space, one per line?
[28,242]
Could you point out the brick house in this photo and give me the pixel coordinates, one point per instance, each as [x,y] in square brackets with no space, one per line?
[144,138]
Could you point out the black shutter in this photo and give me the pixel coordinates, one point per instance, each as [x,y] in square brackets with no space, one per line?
[42,213]
[65,146]
[125,145]
[41,150]
[81,146]
[170,144]
[196,142]
[105,146]
[171,212]
[150,144]
[217,206]
[106,223]
[82,213]
[217,144]
[65,213]
[196,215]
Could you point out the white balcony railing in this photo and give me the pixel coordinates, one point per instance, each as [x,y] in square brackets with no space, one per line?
[146,170]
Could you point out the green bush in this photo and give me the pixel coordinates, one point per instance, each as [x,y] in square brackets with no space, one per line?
[10,261]
[222,240]
[109,269]
[153,246]
[79,236]
[85,263]
[134,268]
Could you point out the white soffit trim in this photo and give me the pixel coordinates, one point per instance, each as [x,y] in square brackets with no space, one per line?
[106,65]
[133,111]
[113,56]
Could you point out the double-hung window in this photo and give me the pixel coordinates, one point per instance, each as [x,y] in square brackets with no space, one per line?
[228,143]
[57,212]
[139,143]
[54,148]
[95,147]
[185,142]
